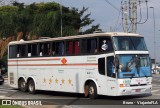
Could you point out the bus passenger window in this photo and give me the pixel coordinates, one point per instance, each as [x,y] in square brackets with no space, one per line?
[21,50]
[44,49]
[105,45]
[69,47]
[34,50]
[110,67]
[101,66]
[83,46]
[89,46]
[29,50]
[13,51]
[60,48]
[76,49]
[93,46]
[52,51]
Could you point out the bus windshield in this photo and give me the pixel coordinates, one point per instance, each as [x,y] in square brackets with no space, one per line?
[134,66]
[129,43]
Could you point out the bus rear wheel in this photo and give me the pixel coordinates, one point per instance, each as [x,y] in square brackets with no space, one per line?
[31,87]
[22,85]
[92,91]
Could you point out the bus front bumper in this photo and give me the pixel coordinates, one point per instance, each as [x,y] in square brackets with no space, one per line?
[135,90]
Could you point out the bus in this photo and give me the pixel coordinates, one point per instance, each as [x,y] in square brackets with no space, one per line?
[111,64]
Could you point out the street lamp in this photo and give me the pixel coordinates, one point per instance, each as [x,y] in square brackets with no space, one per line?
[154,37]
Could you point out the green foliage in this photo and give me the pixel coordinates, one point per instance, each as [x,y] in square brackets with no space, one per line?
[92,29]
[43,19]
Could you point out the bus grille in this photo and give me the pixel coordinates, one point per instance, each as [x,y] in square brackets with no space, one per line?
[138,85]
[11,78]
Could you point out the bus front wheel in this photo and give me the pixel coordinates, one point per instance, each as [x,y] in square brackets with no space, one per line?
[31,87]
[92,91]
[22,85]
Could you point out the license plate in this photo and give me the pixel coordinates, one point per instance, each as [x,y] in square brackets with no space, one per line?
[138,90]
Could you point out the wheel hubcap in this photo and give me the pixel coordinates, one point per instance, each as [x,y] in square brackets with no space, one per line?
[31,87]
[91,90]
[23,85]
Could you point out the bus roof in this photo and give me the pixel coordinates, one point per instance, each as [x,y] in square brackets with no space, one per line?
[79,36]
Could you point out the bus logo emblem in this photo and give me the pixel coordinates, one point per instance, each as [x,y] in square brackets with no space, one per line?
[64,61]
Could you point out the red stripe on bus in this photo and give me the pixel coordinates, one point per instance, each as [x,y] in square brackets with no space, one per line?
[53,65]
[34,60]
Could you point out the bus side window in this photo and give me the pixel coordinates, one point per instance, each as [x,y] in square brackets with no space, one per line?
[72,48]
[93,46]
[13,51]
[76,47]
[29,50]
[60,48]
[89,46]
[69,47]
[52,52]
[21,50]
[105,45]
[44,49]
[83,46]
[34,50]
[101,66]
[110,67]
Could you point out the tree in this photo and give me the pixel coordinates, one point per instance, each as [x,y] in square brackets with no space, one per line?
[41,20]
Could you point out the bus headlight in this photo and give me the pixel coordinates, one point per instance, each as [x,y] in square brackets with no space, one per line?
[124,85]
[121,85]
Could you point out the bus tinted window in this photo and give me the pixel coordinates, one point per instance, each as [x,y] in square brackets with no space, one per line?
[59,48]
[52,51]
[44,49]
[101,66]
[89,46]
[13,51]
[105,45]
[32,50]
[129,43]
[21,50]
[72,47]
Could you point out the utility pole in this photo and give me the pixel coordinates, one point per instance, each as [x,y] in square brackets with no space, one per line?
[125,15]
[133,19]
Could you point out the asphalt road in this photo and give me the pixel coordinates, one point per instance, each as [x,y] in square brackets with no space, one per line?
[78,101]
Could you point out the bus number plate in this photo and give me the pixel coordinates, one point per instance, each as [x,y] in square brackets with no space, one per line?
[138,90]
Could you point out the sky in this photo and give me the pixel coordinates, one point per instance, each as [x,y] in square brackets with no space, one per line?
[107,16]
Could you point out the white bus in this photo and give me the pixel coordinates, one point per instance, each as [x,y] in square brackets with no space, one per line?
[112,64]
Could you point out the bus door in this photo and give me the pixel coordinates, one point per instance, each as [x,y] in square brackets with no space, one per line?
[111,76]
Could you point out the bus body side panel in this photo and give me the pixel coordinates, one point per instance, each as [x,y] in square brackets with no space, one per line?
[13,73]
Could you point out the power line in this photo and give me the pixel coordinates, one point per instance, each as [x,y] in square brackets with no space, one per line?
[112,5]
[115,9]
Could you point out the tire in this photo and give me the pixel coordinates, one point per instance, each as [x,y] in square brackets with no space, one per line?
[31,87]
[1,83]
[22,85]
[92,91]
